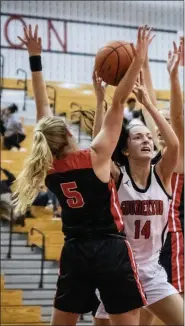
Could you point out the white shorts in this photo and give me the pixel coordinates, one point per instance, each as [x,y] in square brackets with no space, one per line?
[156,288]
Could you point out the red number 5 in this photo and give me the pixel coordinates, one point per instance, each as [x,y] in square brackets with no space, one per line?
[75,198]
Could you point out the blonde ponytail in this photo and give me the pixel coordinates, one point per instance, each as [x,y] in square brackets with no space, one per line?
[50,139]
[33,175]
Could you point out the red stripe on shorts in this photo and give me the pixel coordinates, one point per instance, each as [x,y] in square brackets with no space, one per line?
[115,206]
[136,275]
[177,260]
[177,183]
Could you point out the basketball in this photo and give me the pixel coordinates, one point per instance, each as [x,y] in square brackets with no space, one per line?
[112,61]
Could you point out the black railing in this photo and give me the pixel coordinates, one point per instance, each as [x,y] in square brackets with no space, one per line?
[83,115]
[52,98]
[1,74]
[42,256]
[9,254]
[25,85]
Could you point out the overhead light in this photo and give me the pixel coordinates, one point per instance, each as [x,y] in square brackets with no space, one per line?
[87,92]
[66,85]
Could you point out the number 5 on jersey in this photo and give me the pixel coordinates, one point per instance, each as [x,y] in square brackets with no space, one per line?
[75,199]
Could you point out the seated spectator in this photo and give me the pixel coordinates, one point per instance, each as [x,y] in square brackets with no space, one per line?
[12,129]
[131,114]
[47,199]
[129,110]
[5,185]
[6,194]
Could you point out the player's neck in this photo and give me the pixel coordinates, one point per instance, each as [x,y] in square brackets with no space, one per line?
[70,148]
[140,172]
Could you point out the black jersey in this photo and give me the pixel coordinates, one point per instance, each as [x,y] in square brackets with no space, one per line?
[89,206]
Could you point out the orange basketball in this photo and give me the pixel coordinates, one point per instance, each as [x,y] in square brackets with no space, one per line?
[112,61]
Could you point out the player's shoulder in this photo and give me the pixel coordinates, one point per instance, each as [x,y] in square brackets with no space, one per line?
[76,160]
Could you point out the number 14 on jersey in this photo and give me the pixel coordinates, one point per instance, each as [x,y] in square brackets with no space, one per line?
[144,231]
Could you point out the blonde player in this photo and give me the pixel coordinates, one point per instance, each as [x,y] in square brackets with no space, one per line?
[95,254]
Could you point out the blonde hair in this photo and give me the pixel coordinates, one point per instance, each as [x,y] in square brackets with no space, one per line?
[50,138]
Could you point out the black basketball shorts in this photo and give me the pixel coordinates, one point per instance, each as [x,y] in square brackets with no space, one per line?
[105,264]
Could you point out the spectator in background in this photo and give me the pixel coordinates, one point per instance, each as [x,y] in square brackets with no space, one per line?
[13,129]
[131,114]
[129,110]
[5,185]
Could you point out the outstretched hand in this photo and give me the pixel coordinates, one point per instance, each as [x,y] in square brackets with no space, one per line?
[144,39]
[32,41]
[99,89]
[141,92]
[174,60]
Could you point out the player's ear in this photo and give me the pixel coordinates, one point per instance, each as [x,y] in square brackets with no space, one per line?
[125,152]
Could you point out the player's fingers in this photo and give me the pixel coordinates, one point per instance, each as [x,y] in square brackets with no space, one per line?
[26,34]
[169,54]
[30,31]
[174,47]
[178,57]
[151,38]
[139,33]
[40,41]
[36,32]
[133,49]
[144,32]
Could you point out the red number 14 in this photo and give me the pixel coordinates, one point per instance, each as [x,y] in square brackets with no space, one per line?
[145,231]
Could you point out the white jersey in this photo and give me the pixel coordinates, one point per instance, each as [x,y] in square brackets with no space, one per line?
[145,214]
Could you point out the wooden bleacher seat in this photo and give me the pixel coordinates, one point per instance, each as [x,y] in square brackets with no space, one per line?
[20,314]
[11,298]
[40,224]
[41,212]
[2,282]
[53,252]
[51,238]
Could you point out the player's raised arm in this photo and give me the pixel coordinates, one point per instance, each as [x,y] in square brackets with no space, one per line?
[106,140]
[168,162]
[34,47]
[176,102]
[149,85]
[99,90]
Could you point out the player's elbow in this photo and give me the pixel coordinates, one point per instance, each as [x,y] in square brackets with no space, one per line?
[175,147]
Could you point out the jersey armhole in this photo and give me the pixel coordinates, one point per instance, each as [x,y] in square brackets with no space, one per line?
[119,180]
[160,183]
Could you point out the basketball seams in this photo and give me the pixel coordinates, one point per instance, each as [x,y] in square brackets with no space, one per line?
[126,50]
[115,48]
[106,58]
[117,66]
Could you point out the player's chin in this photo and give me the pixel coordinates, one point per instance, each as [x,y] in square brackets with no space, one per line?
[146,155]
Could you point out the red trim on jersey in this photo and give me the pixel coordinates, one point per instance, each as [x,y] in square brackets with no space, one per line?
[135,271]
[177,260]
[115,206]
[73,161]
[174,223]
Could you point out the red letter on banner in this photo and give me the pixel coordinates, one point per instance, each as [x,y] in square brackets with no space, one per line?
[51,27]
[6,34]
